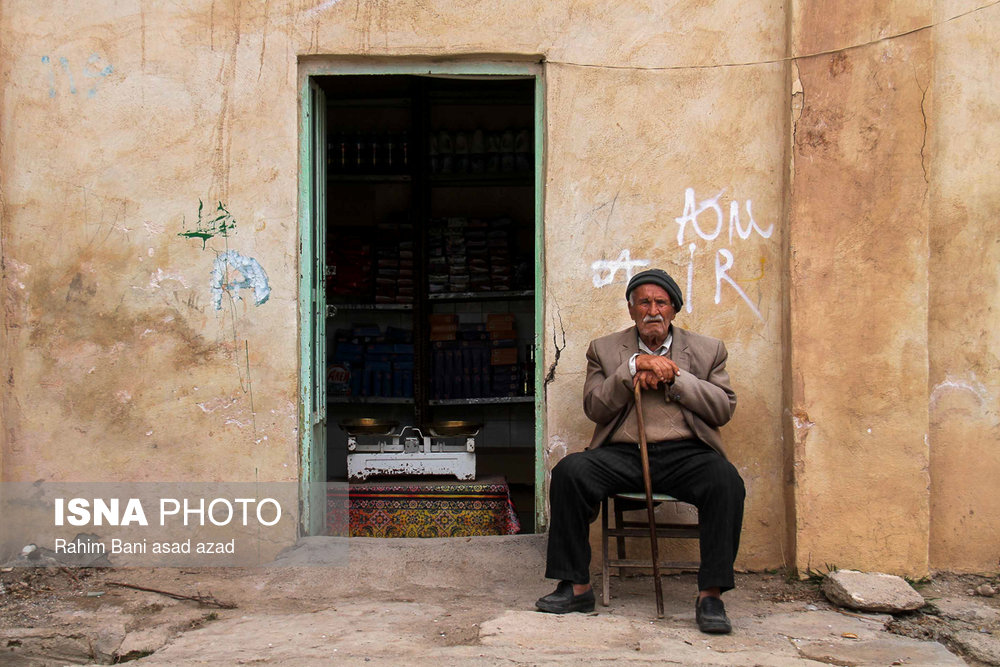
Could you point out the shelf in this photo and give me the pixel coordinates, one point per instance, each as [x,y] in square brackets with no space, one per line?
[365,102]
[482,296]
[367,400]
[479,97]
[370,178]
[332,308]
[518,180]
[380,109]
[497,400]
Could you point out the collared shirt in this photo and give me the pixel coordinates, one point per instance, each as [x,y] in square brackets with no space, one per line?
[662,351]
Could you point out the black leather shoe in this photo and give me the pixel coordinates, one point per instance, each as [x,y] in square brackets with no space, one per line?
[710,614]
[562,600]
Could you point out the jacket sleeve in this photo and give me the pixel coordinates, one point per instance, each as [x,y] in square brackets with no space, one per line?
[711,398]
[606,391]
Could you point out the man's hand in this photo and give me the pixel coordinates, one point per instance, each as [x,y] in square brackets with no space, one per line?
[664,370]
[646,380]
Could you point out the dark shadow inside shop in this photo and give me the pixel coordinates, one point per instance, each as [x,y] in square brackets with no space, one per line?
[430,293]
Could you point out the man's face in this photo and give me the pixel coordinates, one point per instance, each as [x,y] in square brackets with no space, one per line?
[652,311]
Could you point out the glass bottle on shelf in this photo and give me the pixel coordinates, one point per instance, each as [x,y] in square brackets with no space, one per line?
[433,157]
[507,151]
[374,158]
[341,152]
[528,375]
[446,150]
[477,152]
[461,164]
[388,150]
[358,153]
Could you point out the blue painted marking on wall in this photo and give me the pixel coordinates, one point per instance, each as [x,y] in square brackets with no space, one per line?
[65,65]
[52,77]
[253,274]
[91,70]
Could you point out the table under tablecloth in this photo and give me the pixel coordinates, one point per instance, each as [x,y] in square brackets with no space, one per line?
[423,508]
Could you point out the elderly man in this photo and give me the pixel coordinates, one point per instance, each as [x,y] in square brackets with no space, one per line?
[686,399]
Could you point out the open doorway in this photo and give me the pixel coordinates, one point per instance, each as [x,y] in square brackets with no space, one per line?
[425,318]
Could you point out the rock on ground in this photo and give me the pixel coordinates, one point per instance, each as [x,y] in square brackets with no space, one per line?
[871,591]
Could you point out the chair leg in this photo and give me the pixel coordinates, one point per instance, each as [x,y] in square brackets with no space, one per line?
[605,571]
[620,541]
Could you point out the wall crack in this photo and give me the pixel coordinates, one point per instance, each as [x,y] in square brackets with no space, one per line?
[923,115]
[551,374]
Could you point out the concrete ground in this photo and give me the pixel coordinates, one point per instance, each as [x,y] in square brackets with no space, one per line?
[464,601]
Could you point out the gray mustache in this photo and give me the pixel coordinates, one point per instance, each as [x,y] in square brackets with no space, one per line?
[652,318]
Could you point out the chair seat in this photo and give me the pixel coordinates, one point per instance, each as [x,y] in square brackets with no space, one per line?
[657,497]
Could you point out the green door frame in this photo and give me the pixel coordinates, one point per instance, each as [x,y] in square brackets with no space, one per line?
[312,321]
[310,518]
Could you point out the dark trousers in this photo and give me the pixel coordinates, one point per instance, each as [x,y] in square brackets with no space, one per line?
[688,470]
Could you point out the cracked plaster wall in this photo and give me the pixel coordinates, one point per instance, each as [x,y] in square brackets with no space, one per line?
[964,296]
[119,118]
[892,285]
[859,221]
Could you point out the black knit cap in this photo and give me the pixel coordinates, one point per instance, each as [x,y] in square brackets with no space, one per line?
[657,277]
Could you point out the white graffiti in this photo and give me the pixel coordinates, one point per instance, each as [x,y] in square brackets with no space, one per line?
[971,385]
[722,274]
[249,268]
[688,306]
[724,257]
[700,221]
[319,9]
[692,210]
[156,279]
[605,270]
[691,213]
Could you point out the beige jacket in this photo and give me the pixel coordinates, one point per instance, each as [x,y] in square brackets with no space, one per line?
[702,387]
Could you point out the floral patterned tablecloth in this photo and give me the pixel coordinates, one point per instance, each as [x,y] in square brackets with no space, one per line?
[423,508]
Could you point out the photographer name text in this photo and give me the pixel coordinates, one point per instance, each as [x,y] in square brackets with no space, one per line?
[142,547]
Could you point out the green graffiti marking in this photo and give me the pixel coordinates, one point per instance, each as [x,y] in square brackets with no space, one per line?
[219,223]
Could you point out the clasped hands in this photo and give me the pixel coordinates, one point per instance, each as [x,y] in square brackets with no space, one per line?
[653,371]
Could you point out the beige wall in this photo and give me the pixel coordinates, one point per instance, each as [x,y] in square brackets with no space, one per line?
[118,364]
[858,276]
[963,303]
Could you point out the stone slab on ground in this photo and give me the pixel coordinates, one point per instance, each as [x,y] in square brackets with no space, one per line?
[142,643]
[415,633]
[966,610]
[871,591]
[979,645]
[816,625]
[886,651]
[392,634]
[43,646]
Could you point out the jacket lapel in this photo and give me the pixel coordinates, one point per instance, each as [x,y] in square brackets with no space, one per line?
[629,344]
[680,353]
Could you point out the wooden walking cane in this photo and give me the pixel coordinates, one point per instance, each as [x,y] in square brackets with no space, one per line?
[648,482]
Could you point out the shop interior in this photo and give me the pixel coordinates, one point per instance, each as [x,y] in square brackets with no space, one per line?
[430,291]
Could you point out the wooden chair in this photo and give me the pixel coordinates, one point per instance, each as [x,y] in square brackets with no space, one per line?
[623,502]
